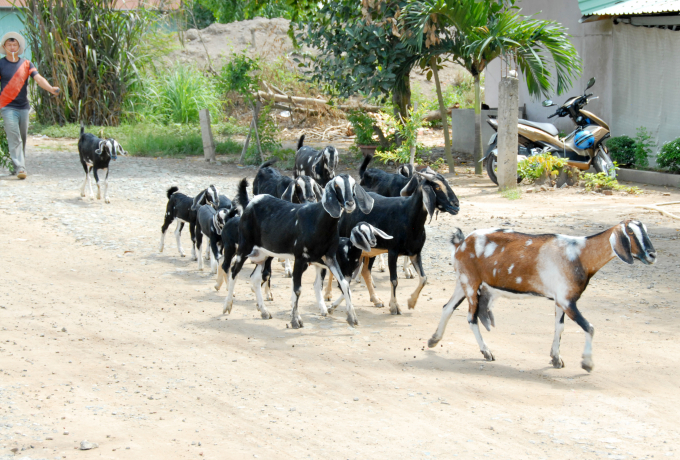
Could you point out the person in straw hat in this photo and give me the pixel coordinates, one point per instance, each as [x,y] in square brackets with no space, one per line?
[14,73]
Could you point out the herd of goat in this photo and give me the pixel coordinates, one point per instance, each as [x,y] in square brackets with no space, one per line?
[339,226]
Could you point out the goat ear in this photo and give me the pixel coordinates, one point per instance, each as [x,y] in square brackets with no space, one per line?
[289,192]
[363,199]
[199,201]
[317,190]
[380,233]
[621,244]
[429,200]
[330,200]
[359,240]
[410,187]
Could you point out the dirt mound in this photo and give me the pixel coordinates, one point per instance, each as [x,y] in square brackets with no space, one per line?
[268,38]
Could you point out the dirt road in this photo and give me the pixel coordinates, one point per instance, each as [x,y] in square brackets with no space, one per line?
[104,339]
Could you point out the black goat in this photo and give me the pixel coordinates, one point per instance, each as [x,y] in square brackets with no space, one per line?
[302,189]
[179,208]
[95,155]
[210,196]
[318,164]
[403,217]
[271,227]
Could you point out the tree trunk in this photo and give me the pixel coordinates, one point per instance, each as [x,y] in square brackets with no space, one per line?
[478,126]
[445,117]
[401,97]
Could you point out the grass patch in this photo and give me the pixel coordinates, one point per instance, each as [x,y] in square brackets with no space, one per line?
[601,181]
[149,140]
[511,193]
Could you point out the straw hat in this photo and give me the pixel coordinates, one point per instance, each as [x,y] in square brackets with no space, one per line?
[17,37]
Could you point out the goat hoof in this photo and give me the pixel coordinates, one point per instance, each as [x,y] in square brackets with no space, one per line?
[217,287]
[181,254]
[557,362]
[587,364]
[432,342]
[296,323]
[328,297]
[269,298]
[227,308]
[488,355]
[411,305]
[395,310]
[352,320]
[265,314]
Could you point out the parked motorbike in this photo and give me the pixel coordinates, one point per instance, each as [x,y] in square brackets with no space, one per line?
[582,148]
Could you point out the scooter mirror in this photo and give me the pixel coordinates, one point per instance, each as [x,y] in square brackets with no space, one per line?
[548,103]
[591,82]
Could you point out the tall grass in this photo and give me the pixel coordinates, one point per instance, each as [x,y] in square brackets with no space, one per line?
[90,50]
[175,95]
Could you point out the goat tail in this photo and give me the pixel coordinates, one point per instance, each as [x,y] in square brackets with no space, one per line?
[242,195]
[484,304]
[82,128]
[457,237]
[300,142]
[172,190]
[268,163]
[364,165]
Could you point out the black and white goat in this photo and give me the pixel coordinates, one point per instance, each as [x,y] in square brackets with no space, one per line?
[179,208]
[271,227]
[320,165]
[362,239]
[495,262]
[404,218]
[210,223]
[269,181]
[302,189]
[387,184]
[95,156]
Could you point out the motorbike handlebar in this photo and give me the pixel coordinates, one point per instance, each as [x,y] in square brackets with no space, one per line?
[553,115]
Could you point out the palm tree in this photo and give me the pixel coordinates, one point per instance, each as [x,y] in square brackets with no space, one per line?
[477,32]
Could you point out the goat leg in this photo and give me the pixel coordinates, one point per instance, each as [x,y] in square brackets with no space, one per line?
[256,281]
[588,328]
[333,266]
[417,262]
[366,275]
[318,287]
[556,361]
[328,293]
[298,269]
[453,303]
[394,282]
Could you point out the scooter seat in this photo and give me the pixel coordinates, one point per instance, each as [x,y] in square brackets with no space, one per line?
[547,127]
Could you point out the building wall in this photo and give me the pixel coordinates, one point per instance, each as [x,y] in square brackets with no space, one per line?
[593,41]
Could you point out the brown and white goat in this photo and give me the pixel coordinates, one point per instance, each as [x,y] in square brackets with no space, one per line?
[494,262]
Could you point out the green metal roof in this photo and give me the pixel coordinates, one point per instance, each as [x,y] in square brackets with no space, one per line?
[632,7]
[591,6]
[627,7]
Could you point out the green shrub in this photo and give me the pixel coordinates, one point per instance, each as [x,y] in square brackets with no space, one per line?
[5,159]
[408,130]
[602,181]
[622,150]
[533,167]
[669,156]
[363,127]
[239,76]
[643,147]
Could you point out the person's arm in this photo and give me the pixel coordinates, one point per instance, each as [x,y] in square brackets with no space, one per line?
[40,80]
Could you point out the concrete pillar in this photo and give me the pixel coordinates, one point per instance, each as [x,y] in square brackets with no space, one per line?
[508,101]
[206,132]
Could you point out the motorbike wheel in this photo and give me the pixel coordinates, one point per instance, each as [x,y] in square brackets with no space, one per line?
[603,163]
[492,164]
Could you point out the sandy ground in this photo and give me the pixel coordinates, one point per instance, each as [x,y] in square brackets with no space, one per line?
[105,339]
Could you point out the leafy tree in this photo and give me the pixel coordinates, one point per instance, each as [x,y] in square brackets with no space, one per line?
[360,50]
[476,32]
[226,11]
